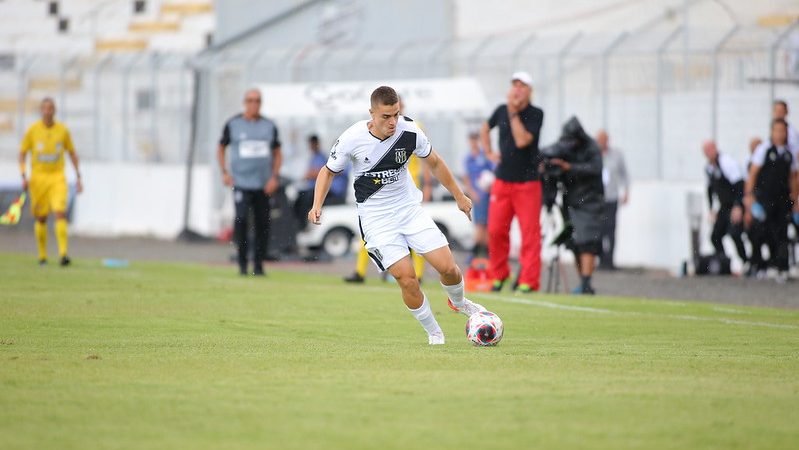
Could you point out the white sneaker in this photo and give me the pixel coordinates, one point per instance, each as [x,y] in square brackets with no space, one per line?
[437,338]
[782,277]
[469,307]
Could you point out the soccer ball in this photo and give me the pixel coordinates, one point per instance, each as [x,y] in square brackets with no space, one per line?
[484,328]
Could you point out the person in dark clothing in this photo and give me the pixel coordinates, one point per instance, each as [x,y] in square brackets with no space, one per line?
[254,174]
[725,182]
[580,160]
[770,194]
[517,188]
[338,190]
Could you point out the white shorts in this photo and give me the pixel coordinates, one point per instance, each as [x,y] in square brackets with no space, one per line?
[389,236]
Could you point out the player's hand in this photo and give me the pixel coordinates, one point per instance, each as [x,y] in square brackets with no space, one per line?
[736,215]
[271,186]
[24,184]
[227,179]
[79,186]
[315,216]
[465,205]
[563,164]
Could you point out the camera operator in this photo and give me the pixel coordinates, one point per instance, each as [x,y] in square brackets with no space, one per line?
[577,161]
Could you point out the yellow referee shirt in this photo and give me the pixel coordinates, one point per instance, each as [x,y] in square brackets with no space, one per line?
[47,146]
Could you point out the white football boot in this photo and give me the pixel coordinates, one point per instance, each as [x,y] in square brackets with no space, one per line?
[436,338]
[469,307]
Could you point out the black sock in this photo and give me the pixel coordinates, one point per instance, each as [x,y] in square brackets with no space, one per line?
[586,279]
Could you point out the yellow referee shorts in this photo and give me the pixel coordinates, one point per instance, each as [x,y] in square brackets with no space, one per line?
[48,194]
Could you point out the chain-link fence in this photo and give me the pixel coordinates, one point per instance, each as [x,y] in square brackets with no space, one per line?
[658,91]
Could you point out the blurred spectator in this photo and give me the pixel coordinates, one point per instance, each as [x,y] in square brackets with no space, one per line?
[770,191]
[725,182]
[517,188]
[478,179]
[338,190]
[614,179]
[254,174]
[579,159]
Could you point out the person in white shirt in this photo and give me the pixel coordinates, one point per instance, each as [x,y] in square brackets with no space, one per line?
[389,204]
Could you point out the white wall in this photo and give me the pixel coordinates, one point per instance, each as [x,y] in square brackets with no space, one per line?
[135,199]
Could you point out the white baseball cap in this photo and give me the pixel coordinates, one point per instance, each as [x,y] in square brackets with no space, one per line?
[522,76]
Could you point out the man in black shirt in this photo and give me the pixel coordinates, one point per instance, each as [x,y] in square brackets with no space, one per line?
[517,189]
[771,191]
[725,182]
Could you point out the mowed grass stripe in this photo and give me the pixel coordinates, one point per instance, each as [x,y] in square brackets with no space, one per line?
[189,356]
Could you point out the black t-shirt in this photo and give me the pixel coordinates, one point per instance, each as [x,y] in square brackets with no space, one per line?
[517,164]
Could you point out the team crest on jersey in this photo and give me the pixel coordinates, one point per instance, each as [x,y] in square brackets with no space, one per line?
[400,156]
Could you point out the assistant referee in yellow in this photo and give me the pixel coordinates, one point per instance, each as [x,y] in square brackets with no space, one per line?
[46,141]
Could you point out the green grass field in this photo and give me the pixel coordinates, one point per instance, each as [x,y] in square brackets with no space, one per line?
[167,356]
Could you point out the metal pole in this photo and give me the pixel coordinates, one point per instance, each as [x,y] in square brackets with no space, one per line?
[154,60]
[606,76]
[781,37]
[182,105]
[561,55]
[659,101]
[517,52]
[433,58]
[22,86]
[715,92]
[126,107]
[476,52]
[98,69]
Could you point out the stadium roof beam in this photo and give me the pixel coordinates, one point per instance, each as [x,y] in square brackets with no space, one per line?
[659,99]
[714,107]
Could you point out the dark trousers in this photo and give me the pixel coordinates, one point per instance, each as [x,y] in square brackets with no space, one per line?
[773,232]
[257,201]
[608,236]
[723,227]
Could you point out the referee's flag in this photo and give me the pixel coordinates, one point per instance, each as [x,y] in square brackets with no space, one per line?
[11,217]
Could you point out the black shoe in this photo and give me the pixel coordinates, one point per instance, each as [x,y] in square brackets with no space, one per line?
[65,261]
[588,291]
[258,271]
[43,262]
[355,278]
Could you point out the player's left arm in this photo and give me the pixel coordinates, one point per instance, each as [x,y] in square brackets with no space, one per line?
[73,156]
[442,173]
[277,160]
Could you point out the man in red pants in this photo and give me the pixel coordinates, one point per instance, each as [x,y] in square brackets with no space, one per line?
[517,189]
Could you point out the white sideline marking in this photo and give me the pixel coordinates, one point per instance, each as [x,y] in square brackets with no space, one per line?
[588,309]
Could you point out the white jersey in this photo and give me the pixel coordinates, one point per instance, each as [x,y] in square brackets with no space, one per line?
[382,181]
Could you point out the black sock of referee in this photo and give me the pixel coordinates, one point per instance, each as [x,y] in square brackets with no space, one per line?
[586,279]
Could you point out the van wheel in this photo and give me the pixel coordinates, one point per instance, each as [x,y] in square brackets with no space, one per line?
[337,242]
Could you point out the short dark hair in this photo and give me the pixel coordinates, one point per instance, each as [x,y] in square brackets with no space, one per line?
[781,102]
[313,138]
[780,121]
[384,95]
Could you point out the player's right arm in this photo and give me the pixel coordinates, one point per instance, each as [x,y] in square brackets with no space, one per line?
[323,182]
[24,148]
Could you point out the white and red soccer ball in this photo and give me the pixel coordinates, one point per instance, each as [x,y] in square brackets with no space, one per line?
[484,328]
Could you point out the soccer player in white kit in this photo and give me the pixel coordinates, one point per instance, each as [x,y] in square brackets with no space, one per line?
[389,204]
